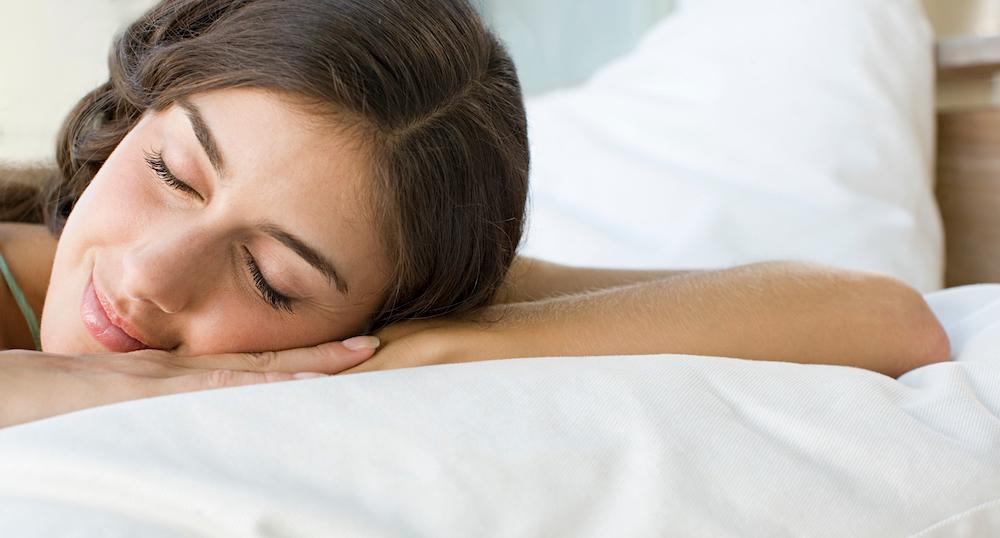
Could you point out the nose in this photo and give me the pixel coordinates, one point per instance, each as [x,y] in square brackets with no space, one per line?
[168,270]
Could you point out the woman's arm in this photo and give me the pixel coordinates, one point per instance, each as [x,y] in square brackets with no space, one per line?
[786,311]
[780,311]
[36,385]
[531,279]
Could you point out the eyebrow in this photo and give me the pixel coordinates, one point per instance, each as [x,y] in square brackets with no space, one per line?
[203,134]
[309,254]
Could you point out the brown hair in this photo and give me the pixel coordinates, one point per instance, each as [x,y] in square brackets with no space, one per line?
[433,93]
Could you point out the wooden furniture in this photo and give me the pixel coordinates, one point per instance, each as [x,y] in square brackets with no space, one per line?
[968,165]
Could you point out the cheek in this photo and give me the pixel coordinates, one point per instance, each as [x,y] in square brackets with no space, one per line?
[109,213]
[232,327]
[115,208]
[235,336]
[120,199]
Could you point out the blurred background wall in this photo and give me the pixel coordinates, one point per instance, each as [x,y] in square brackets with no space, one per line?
[557,43]
[54,51]
[51,53]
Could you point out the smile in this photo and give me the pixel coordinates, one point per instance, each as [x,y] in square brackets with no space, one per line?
[104,324]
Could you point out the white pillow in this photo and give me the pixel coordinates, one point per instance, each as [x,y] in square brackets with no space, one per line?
[742,131]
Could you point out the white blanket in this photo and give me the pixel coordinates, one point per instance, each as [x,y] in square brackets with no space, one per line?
[666,445]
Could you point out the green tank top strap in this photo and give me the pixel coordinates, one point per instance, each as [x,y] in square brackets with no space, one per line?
[22,302]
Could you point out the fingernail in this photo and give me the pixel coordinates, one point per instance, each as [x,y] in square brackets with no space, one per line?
[308,375]
[361,342]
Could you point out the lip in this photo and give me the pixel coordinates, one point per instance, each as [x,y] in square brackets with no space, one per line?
[105,325]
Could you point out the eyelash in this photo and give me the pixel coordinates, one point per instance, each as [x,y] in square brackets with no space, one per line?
[278,301]
[154,159]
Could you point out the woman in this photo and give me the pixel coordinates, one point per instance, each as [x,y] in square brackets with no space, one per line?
[260,182]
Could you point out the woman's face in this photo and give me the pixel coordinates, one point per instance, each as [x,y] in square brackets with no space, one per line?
[228,222]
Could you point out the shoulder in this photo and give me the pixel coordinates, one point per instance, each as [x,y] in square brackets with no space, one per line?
[23,243]
[28,250]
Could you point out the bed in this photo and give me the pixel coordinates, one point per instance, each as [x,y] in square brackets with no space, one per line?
[659,445]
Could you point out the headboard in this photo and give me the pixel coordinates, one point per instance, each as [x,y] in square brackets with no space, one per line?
[968,164]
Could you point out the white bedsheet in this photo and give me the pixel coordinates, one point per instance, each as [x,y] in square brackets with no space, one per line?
[584,447]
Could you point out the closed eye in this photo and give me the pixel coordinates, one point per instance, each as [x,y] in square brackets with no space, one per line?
[154,159]
[271,296]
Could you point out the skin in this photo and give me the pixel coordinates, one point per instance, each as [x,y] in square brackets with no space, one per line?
[29,250]
[787,311]
[172,262]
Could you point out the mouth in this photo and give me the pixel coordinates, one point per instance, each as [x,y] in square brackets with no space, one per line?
[105,325]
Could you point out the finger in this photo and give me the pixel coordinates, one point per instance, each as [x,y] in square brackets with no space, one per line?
[151,363]
[328,358]
[213,379]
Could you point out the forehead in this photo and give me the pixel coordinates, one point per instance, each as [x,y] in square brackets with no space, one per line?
[266,136]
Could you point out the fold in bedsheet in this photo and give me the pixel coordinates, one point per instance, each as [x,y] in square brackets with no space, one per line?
[667,445]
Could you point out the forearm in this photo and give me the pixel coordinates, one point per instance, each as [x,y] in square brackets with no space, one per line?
[780,311]
[531,279]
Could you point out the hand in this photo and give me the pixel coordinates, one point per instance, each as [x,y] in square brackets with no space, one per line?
[487,334]
[37,385]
